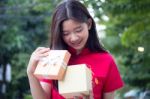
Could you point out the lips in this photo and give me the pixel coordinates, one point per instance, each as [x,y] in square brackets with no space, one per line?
[76,44]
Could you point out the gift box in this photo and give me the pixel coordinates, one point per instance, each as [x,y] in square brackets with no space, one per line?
[77,81]
[53,66]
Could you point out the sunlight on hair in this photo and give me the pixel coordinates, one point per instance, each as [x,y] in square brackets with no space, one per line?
[91,10]
[100,27]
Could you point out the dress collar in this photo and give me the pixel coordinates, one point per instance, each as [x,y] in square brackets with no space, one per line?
[84,51]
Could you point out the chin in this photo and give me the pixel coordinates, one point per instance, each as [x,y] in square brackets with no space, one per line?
[78,48]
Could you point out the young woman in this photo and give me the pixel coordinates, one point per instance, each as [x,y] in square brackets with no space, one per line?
[74,29]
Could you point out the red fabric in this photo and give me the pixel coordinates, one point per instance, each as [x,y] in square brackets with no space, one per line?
[54,92]
[106,77]
[46,80]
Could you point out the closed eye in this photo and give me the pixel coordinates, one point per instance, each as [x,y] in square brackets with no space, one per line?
[78,30]
[65,33]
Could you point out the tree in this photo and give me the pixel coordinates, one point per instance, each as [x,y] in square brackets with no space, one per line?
[127,30]
[24,26]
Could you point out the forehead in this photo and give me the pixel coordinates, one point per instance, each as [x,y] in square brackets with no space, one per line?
[70,24]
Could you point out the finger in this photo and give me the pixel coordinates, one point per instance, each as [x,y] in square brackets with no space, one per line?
[38,57]
[75,97]
[85,96]
[44,50]
[44,54]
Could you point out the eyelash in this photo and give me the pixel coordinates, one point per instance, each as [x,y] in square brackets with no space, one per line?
[65,34]
[77,31]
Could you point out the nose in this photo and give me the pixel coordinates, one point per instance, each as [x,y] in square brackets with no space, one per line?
[73,37]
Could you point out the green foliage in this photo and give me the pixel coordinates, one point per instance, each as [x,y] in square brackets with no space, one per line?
[27,96]
[129,21]
[24,26]
[126,30]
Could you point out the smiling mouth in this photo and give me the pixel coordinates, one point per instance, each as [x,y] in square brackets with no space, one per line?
[76,44]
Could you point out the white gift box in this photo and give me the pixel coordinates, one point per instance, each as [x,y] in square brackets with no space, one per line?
[53,66]
[77,81]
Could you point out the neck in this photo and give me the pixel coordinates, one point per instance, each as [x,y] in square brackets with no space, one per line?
[79,51]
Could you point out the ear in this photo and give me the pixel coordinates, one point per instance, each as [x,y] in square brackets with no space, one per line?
[89,23]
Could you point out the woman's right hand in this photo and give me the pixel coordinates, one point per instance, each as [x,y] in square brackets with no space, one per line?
[39,53]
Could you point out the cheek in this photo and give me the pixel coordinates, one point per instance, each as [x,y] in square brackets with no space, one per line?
[66,39]
[86,34]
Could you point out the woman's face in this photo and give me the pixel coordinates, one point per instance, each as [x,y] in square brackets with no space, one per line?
[75,34]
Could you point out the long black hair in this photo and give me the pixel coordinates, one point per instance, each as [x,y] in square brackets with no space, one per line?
[72,9]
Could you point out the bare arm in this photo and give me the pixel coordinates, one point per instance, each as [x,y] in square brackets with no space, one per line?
[109,95]
[38,90]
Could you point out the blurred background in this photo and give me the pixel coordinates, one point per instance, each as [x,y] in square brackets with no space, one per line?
[123,28]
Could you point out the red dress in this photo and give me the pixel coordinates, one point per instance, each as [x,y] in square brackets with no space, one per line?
[106,77]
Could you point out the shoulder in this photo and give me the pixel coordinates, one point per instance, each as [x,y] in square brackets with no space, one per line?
[104,56]
[102,63]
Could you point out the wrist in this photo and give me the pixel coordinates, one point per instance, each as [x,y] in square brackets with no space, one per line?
[30,74]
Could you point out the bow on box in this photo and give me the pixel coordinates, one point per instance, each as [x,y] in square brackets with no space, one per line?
[54,65]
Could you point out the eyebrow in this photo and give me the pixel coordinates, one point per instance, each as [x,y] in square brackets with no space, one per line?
[77,27]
